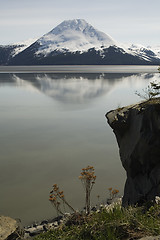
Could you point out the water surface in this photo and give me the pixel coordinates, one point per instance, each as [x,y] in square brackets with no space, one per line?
[80,69]
[52,125]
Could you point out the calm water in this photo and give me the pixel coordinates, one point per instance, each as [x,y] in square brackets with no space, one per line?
[51,126]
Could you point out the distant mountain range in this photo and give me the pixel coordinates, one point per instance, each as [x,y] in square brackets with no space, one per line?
[75,42]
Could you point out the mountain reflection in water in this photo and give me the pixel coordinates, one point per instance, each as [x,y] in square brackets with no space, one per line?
[72,88]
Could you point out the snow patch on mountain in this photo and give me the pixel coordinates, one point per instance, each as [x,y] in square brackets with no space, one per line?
[21,46]
[146,53]
[73,35]
[155,49]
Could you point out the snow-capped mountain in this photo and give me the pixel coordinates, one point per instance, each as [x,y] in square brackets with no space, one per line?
[21,46]
[73,35]
[7,52]
[147,53]
[77,42]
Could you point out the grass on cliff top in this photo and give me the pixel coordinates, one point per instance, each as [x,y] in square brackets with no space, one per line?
[151,101]
[116,224]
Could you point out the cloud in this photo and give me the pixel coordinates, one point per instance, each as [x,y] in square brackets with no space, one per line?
[23,22]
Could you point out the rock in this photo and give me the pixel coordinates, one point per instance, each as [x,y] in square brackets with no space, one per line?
[10,229]
[44,222]
[43,226]
[137,130]
[50,226]
[157,200]
[33,231]
[27,236]
[55,224]
[94,209]
[35,225]
[57,218]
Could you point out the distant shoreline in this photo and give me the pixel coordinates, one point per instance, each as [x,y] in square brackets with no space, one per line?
[80,69]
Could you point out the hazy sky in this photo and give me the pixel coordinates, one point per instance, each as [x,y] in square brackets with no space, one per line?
[126,21]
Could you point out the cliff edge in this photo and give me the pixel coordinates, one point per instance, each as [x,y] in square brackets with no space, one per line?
[10,229]
[137,130]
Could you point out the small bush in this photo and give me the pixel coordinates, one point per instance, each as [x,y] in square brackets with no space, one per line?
[152,91]
[88,180]
[58,200]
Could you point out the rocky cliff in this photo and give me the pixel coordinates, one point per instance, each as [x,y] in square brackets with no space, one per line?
[10,229]
[137,130]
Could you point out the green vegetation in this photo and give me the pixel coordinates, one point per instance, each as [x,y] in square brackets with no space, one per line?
[150,92]
[110,222]
[114,224]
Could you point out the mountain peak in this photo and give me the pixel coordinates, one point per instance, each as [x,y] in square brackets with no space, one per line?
[73,35]
[75,24]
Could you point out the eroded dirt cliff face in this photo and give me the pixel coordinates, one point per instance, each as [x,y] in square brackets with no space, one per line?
[137,130]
